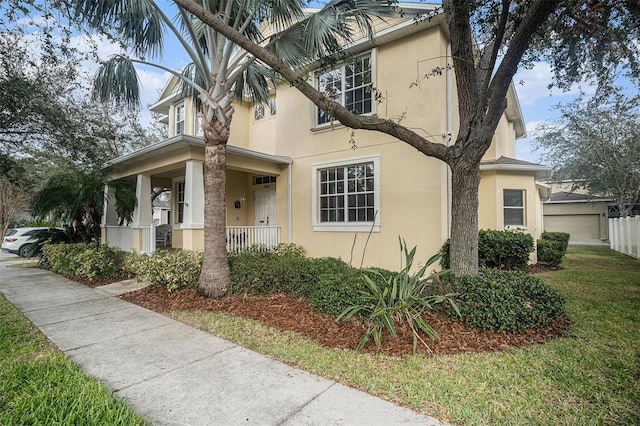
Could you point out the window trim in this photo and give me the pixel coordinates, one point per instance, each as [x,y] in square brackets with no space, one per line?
[184,118]
[176,200]
[273,107]
[313,109]
[345,226]
[521,208]
[259,107]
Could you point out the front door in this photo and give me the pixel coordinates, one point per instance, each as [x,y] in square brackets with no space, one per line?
[265,207]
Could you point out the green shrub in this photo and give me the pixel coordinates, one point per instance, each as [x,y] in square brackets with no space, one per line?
[172,269]
[267,272]
[550,252]
[397,298]
[330,284]
[561,237]
[89,261]
[508,250]
[508,301]
[334,285]
[552,247]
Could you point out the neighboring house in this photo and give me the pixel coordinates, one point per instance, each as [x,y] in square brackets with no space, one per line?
[571,209]
[293,175]
[161,212]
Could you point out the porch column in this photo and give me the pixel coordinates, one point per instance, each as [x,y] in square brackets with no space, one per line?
[109,215]
[142,214]
[193,219]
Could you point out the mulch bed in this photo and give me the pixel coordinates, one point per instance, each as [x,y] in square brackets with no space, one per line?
[288,313]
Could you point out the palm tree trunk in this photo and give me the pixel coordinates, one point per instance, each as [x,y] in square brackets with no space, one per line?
[214,277]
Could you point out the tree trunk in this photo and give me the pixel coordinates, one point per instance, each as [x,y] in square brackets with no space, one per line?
[464,217]
[214,276]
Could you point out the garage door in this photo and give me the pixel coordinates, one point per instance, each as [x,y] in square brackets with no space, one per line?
[581,227]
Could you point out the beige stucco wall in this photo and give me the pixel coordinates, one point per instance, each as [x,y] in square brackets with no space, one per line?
[490,212]
[504,141]
[413,201]
[238,184]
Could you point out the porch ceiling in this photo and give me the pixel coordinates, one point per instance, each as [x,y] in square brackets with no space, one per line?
[167,159]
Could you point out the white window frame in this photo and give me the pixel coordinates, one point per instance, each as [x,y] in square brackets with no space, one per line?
[344,226]
[521,208]
[199,131]
[372,54]
[273,109]
[176,200]
[180,118]
[258,112]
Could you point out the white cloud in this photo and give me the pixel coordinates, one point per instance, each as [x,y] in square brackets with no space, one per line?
[533,84]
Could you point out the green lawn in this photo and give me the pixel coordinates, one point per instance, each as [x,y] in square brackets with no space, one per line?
[40,386]
[591,377]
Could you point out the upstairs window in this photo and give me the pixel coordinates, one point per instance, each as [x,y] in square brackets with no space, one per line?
[272,107]
[349,85]
[180,119]
[258,112]
[513,202]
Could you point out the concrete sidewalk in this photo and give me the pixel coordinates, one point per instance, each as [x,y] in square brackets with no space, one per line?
[173,374]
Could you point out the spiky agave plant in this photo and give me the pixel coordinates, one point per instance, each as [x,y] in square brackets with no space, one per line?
[400,298]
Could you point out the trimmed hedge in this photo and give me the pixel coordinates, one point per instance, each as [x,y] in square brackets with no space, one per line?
[552,247]
[172,269]
[508,301]
[330,284]
[89,261]
[508,250]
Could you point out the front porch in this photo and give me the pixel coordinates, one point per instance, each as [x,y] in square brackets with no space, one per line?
[258,197]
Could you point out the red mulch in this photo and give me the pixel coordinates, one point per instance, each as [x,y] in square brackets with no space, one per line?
[288,313]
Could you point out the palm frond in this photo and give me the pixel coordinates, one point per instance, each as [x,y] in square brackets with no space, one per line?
[324,33]
[254,83]
[116,81]
[138,22]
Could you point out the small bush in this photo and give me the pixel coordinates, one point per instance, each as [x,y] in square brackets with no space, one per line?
[550,252]
[89,261]
[334,285]
[508,250]
[561,237]
[552,247]
[267,272]
[172,269]
[330,284]
[508,301]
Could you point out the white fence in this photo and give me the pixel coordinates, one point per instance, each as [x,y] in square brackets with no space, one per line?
[241,237]
[624,234]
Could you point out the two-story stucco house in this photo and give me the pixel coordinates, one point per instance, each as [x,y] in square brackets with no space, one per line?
[293,175]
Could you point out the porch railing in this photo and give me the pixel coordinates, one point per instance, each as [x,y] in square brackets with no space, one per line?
[242,237]
[238,237]
[624,234]
[120,236]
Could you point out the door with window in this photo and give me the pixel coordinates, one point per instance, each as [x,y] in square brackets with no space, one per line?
[265,207]
[266,231]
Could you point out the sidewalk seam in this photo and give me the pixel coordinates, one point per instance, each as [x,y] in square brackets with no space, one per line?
[176,369]
[293,413]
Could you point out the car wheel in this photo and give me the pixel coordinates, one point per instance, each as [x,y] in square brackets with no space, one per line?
[26,250]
